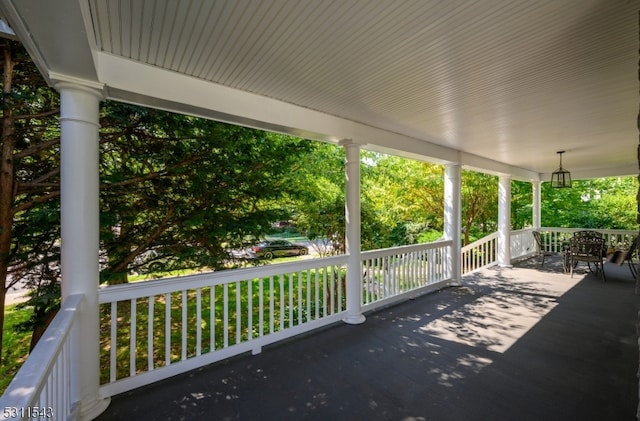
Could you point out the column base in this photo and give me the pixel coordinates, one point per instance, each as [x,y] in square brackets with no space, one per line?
[505,265]
[354,319]
[91,410]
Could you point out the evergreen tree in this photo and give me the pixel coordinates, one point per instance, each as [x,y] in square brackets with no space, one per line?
[177,192]
[29,180]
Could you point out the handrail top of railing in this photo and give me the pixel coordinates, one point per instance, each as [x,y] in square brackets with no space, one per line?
[522,230]
[107,294]
[405,249]
[24,389]
[480,241]
[602,230]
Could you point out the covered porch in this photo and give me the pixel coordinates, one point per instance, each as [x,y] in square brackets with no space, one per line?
[512,343]
[515,337]
[500,98]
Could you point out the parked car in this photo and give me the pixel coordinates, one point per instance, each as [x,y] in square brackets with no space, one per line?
[269,249]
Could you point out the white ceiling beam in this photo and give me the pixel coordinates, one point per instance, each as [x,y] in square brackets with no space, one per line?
[478,163]
[134,82]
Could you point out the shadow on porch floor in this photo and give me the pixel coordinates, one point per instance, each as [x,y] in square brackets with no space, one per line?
[520,343]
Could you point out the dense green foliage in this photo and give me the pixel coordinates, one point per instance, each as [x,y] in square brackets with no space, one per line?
[318,208]
[29,175]
[408,197]
[596,203]
[179,192]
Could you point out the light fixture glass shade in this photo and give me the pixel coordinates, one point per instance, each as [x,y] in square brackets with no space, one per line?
[560,178]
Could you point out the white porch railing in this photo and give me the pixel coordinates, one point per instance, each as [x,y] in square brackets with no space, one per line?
[553,238]
[522,243]
[394,274]
[479,254]
[156,329]
[42,387]
[484,252]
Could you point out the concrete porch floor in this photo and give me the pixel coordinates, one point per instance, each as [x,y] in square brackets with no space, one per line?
[521,343]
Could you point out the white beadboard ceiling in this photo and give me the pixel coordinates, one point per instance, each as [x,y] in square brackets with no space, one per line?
[508,82]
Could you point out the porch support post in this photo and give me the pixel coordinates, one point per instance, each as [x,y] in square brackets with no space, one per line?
[504,221]
[452,218]
[352,237]
[79,195]
[537,204]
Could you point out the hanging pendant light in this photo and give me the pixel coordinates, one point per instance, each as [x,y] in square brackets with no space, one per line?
[560,178]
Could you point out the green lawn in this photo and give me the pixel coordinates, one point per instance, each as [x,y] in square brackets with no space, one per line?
[289,237]
[295,309]
[15,345]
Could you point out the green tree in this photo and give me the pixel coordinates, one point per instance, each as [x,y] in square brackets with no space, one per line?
[29,176]
[407,197]
[479,205]
[179,192]
[521,204]
[318,206]
[176,191]
[595,203]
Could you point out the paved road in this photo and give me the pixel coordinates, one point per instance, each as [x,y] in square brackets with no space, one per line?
[16,294]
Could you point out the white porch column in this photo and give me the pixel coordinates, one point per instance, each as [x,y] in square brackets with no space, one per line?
[537,204]
[452,218]
[352,218]
[79,123]
[504,221]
